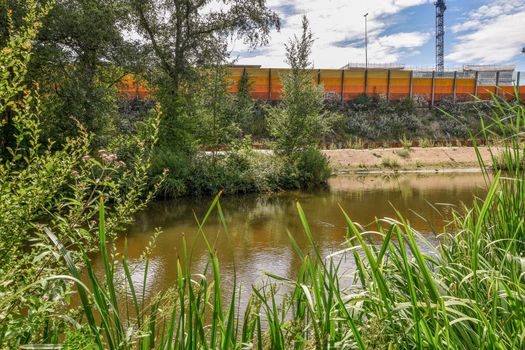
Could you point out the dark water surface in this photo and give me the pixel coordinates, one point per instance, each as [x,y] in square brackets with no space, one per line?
[258,224]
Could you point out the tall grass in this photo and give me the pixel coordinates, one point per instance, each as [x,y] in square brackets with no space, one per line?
[467,293]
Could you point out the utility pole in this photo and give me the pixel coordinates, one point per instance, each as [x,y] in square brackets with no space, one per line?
[366,40]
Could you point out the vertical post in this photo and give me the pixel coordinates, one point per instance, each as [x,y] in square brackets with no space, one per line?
[270,84]
[455,85]
[318,77]
[366,40]
[366,82]
[497,83]
[388,86]
[137,96]
[476,84]
[433,88]
[518,86]
[411,83]
[342,85]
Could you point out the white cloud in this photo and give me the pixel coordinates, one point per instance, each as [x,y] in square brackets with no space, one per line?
[492,34]
[341,21]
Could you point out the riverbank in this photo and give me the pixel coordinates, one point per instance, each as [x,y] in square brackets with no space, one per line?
[402,159]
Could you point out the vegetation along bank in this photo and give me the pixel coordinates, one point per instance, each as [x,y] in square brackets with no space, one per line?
[76,164]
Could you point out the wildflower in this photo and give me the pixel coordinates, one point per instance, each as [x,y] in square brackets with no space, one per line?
[108,158]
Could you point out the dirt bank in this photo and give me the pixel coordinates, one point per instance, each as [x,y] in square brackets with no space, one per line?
[415,158]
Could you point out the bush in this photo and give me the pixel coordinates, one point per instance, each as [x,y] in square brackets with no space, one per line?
[43,191]
[313,168]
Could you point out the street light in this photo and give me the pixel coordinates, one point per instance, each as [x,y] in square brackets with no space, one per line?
[366,40]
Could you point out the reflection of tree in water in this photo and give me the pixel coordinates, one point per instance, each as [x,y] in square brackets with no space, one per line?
[258,224]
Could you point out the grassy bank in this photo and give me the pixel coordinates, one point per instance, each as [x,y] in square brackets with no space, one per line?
[467,294]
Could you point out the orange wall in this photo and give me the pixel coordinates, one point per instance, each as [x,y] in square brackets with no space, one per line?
[353,83]
[266,84]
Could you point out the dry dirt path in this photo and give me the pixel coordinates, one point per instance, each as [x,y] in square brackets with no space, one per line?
[399,159]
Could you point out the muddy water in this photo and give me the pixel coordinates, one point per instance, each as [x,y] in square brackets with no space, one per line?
[257,225]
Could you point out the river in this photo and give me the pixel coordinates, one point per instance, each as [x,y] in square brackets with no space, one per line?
[257,225]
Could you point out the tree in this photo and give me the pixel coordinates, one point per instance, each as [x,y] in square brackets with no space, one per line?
[243,106]
[186,34]
[79,55]
[185,40]
[299,121]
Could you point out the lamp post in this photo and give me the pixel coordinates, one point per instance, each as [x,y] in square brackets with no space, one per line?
[366,40]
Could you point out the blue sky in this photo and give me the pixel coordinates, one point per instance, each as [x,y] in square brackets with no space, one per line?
[400,31]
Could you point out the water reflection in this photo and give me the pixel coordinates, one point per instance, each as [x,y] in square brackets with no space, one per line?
[257,239]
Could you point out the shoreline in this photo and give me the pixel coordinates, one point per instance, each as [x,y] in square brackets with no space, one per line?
[402,160]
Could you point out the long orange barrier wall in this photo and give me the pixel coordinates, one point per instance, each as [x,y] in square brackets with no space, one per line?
[265,84]
[346,85]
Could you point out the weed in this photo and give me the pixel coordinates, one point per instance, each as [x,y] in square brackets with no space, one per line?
[406,143]
[390,163]
[426,142]
[403,153]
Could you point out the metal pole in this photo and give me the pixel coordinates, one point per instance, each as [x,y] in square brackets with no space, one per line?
[411,83]
[476,85]
[342,85]
[388,87]
[433,88]
[455,85]
[366,82]
[497,83]
[270,84]
[518,85]
[366,41]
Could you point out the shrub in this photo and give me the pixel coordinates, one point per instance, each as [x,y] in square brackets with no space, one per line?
[390,163]
[313,168]
[403,153]
[43,190]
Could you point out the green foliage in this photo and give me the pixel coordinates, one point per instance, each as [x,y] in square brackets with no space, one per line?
[403,153]
[298,122]
[390,163]
[187,44]
[56,190]
[243,106]
[80,54]
[313,168]
[218,125]
[465,293]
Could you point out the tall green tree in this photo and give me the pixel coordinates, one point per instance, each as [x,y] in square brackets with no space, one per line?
[185,34]
[299,121]
[185,39]
[243,106]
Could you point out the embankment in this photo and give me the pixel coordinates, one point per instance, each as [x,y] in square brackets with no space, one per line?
[400,159]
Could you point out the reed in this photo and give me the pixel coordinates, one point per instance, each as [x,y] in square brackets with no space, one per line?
[467,293]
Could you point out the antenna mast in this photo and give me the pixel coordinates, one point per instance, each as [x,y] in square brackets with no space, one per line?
[440,36]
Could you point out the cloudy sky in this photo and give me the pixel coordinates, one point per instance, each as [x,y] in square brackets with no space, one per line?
[400,31]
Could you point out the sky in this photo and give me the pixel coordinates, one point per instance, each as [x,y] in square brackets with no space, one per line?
[399,31]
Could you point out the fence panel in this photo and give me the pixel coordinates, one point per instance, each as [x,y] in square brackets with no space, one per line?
[399,85]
